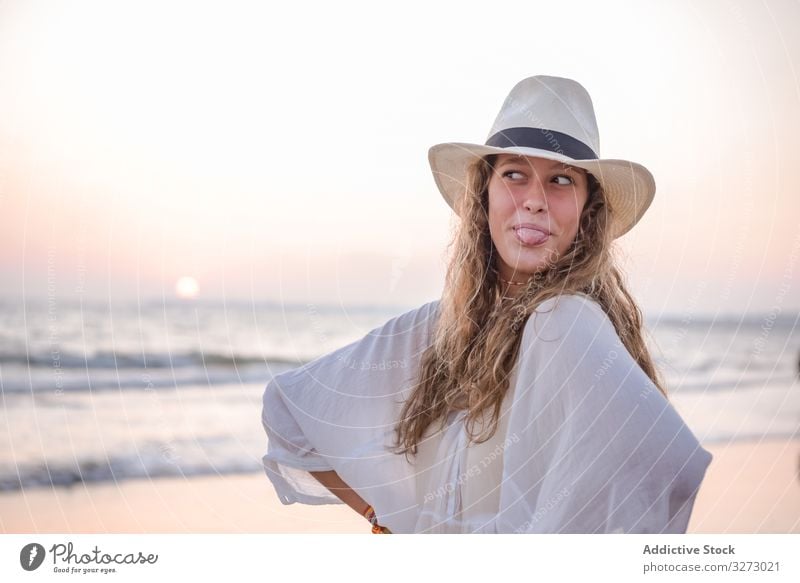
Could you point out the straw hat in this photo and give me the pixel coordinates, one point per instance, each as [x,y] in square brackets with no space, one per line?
[553,118]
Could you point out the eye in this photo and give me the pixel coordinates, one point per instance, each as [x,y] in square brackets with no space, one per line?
[509,172]
[568,179]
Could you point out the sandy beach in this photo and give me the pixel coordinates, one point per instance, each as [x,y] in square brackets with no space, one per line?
[749,488]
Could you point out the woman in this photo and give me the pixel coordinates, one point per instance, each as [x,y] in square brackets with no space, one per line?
[525,400]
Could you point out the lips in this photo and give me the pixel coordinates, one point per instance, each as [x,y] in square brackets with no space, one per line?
[529,234]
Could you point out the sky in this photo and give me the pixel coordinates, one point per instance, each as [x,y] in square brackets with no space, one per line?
[278,151]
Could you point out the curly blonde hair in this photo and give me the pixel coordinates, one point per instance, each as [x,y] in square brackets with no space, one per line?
[469,362]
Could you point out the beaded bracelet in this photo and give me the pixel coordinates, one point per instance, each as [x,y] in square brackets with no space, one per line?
[370,515]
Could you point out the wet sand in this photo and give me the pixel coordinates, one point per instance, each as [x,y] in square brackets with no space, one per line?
[749,488]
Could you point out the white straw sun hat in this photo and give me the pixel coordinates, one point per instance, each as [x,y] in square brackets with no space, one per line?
[553,118]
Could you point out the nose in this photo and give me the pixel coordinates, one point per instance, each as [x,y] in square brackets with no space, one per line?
[535,197]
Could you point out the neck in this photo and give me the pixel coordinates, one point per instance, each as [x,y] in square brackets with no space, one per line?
[510,288]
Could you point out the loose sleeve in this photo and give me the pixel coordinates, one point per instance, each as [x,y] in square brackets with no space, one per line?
[339,411]
[594,446]
[290,456]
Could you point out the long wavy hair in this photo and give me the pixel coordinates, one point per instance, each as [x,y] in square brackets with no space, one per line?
[477,335]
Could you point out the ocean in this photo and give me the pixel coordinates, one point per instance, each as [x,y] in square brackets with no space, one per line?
[96,392]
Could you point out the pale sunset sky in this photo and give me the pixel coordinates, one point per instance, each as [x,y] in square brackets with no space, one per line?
[278,151]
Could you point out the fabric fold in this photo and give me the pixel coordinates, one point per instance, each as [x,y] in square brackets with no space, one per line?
[600,449]
[339,412]
[586,442]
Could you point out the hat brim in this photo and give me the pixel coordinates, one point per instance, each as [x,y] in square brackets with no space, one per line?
[629,187]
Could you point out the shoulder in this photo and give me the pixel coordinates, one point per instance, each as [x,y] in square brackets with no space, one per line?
[569,302]
[566,310]
[415,320]
[412,326]
[568,317]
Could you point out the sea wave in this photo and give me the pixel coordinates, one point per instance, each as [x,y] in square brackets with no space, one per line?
[143,360]
[19,378]
[113,469]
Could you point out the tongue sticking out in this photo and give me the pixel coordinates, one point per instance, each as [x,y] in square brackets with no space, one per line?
[531,236]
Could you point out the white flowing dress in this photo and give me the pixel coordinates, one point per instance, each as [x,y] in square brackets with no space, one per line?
[586,442]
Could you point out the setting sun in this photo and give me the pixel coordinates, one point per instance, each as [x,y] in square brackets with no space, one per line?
[187,288]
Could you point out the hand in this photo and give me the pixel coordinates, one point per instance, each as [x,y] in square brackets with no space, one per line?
[369,514]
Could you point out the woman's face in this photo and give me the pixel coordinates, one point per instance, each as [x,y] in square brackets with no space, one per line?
[535,206]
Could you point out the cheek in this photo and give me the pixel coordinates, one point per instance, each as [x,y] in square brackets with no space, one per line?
[500,203]
[568,213]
